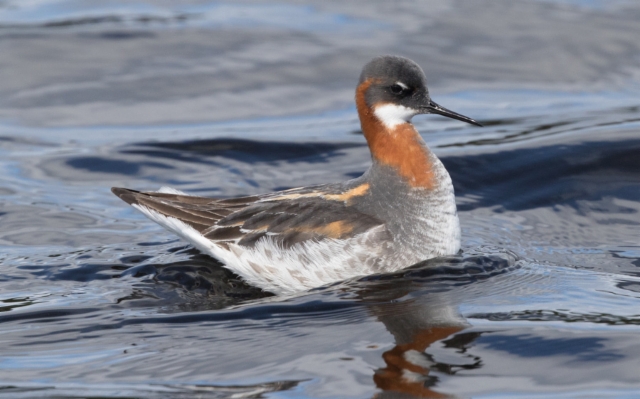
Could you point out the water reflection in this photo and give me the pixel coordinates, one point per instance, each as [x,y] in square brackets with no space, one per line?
[416,325]
[208,98]
[420,310]
[417,307]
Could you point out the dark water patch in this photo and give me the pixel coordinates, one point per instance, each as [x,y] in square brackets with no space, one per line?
[453,270]
[82,21]
[134,258]
[465,361]
[86,272]
[632,286]
[14,303]
[203,283]
[558,315]
[102,165]
[126,35]
[550,175]
[248,151]
[204,274]
[581,349]
[83,272]
[101,20]
[462,341]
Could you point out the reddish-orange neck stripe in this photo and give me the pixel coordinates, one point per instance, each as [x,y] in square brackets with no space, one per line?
[402,148]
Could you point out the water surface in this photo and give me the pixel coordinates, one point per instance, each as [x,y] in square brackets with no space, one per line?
[226,99]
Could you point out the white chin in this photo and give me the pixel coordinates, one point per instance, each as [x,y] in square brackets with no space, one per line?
[392,115]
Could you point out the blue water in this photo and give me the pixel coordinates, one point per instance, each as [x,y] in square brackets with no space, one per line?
[226,99]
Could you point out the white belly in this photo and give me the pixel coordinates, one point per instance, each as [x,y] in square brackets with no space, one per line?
[298,268]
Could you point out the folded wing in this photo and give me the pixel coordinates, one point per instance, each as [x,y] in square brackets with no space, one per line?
[287,218]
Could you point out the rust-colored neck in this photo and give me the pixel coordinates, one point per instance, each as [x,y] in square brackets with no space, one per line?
[400,147]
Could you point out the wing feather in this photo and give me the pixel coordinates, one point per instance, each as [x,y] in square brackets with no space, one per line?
[288,218]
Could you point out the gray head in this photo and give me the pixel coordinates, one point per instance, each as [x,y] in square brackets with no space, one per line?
[396,89]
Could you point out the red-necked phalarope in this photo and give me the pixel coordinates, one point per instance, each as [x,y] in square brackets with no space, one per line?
[401,211]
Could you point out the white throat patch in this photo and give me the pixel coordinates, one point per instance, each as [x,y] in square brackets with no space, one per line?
[392,115]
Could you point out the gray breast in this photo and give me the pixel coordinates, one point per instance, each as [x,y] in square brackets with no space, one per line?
[423,223]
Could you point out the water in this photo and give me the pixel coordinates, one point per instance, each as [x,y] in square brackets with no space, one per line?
[227,99]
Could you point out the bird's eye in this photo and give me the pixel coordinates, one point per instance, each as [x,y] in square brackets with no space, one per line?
[396,89]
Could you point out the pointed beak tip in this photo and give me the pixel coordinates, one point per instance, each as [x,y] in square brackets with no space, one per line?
[434,108]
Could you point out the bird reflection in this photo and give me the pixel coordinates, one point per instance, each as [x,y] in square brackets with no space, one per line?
[416,325]
[418,308]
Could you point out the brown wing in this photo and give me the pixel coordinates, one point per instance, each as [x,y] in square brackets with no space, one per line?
[287,217]
[198,212]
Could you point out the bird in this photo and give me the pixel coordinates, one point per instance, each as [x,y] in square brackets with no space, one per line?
[401,211]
